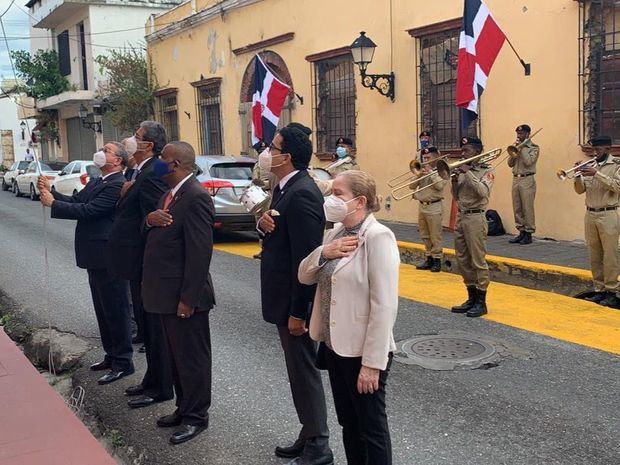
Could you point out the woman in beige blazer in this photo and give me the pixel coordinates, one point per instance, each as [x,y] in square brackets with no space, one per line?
[356,272]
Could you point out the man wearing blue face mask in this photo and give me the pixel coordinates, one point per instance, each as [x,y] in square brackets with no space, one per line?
[345,157]
[93,208]
[425,142]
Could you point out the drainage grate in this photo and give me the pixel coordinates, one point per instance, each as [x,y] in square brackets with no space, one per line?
[446,352]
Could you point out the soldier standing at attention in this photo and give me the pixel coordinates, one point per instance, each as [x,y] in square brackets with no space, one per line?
[471,189]
[425,141]
[524,185]
[345,157]
[430,212]
[600,181]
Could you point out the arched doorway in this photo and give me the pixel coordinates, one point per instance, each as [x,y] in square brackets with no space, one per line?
[279,68]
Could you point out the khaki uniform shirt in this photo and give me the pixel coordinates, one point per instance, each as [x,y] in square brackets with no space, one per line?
[431,194]
[349,164]
[473,189]
[525,163]
[603,189]
[324,186]
[267,181]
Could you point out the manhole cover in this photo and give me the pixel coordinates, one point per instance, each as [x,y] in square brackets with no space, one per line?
[445,352]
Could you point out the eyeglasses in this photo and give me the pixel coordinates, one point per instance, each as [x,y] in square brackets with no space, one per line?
[107,150]
[272,147]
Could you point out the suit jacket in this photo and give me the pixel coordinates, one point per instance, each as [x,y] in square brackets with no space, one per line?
[177,257]
[126,244]
[93,208]
[364,295]
[299,230]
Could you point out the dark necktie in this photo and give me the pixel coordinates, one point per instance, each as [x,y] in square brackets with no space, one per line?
[277,193]
[135,174]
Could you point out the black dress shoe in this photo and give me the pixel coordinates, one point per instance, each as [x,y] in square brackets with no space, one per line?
[168,421]
[142,349]
[100,366]
[290,452]
[186,432]
[114,375]
[597,297]
[517,239]
[527,239]
[610,301]
[136,390]
[326,458]
[142,401]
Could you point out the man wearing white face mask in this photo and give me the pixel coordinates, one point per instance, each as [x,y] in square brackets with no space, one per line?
[288,238]
[93,208]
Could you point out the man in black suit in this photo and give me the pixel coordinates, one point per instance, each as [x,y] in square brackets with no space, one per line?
[139,197]
[177,285]
[289,238]
[93,208]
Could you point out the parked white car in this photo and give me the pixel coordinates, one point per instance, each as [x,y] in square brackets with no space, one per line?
[75,176]
[27,182]
[19,167]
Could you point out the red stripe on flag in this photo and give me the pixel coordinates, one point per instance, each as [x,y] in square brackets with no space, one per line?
[465,78]
[257,120]
[489,44]
[276,96]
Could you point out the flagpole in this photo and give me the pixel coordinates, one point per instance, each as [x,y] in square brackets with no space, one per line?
[526,66]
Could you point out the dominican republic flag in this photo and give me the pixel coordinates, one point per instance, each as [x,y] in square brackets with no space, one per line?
[479,44]
[267,102]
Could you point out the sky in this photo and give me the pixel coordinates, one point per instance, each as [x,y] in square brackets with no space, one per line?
[16,25]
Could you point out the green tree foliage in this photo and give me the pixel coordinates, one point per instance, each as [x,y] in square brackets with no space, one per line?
[40,72]
[130,87]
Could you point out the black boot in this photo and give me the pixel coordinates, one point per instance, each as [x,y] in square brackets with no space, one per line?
[611,300]
[597,297]
[480,308]
[427,265]
[518,239]
[436,268]
[527,238]
[469,303]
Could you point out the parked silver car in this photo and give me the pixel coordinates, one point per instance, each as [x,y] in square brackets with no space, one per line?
[19,167]
[226,178]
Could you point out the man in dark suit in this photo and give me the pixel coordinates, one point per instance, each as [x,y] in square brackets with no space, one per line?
[93,208]
[289,238]
[177,285]
[139,197]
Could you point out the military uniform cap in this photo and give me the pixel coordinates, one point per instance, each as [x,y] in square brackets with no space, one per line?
[425,134]
[600,141]
[470,141]
[523,127]
[344,140]
[428,150]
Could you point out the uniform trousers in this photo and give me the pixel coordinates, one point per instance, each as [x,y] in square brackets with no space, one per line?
[364,422]
[602,230]
[429,223]
[470,245]
[523,195]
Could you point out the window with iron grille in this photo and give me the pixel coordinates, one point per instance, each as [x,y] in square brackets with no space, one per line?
[169,116]
[64,55]
[209,119]
[599,63]
[334,101]
[437,89]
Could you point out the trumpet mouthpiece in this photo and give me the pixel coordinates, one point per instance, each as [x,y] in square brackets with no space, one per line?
[561,174]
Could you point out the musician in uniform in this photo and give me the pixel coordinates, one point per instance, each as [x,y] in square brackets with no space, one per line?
[430,211]
[425,141]
[600,181]
[265,181]
[524,185]
[471,189]
[345,157]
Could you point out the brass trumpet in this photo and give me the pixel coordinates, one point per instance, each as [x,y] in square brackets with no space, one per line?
[415,167]
[447,170]
[515,150]
[572,173]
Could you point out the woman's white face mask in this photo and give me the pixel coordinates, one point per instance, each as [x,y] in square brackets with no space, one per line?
[336,209]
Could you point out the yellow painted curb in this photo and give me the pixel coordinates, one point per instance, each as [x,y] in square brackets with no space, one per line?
[554,315]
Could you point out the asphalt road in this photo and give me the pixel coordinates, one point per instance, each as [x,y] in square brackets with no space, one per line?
[549,402]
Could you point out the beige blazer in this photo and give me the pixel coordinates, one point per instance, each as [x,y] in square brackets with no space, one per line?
[364,295]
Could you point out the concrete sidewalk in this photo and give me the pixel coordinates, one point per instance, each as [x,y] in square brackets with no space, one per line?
[554,266]
[562,253]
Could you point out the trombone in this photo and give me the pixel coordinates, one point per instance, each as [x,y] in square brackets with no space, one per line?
[573,172]
[447,170]
[515,150]
[414,169]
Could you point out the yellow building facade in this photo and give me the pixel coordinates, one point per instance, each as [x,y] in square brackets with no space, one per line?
[202,52]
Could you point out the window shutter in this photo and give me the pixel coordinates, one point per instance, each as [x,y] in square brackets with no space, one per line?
[64,56]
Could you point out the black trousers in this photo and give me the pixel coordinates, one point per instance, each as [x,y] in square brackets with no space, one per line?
[306,385]
[111,302]
[189,340]
[365,431]
[157,381]
[138,310]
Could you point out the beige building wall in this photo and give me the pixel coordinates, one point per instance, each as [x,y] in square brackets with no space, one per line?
[546,34]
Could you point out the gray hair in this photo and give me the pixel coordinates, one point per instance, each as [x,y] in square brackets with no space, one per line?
[121,151]
[156,133]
